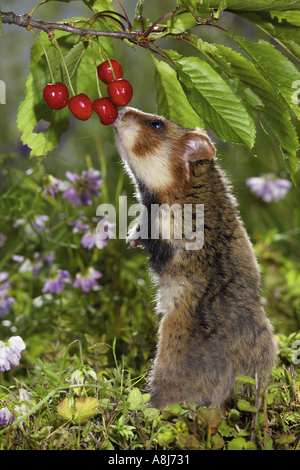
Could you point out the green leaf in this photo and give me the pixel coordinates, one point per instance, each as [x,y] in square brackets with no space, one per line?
[151,413]
[244,405]
[33,109]
[280,72]
[292,17]
[273,115]
[214,101]
[255,5]
[281,26]
[181,23]
[244,379]
[78,411]
[239,443]
[166,436]
[99,5]
[135,398]
[209,417]
[188,4]
[285,439]
[78,56]
[199,44]
[139,21]
[86,407]
[171,100]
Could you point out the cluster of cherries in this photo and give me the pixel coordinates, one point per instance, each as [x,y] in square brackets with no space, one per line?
[119,94]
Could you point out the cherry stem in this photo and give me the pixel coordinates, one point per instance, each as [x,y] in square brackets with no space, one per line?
[115,19]
[97,81]
[46,55]
[150,29]
[30,13]
[107,57]
[55,44]
[127,19]
[109,13]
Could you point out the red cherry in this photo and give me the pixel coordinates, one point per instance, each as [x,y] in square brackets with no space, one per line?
[81,106]
[120,92]
[106,110]
[105,73]
[56,96]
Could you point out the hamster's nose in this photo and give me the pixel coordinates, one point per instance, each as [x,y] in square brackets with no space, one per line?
[120,115]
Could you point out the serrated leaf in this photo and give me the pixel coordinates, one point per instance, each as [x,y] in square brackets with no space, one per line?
[33,109]
[66,409]
[171,100]
[280,72]
[274,117]
[257,5]
[214,101]
[199,44]
[281,26]
[292,17]
[78,56]
[86,407]
[78,411]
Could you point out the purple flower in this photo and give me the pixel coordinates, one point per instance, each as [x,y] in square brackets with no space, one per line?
[98,236]
[79,225]
[34,266]
[38,225]
[41,261]
[90,239]
[18,258]
[87,280]
[81,188]
[56,282]
[268,187]
[10,352]
[3,276]
[6,416]
[5,302]
[51,185]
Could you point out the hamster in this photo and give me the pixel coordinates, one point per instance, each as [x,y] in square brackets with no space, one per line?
[213,326]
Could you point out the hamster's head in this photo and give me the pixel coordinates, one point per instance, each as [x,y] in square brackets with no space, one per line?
[157,151]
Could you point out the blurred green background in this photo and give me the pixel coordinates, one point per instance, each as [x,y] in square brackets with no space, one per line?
[274,228]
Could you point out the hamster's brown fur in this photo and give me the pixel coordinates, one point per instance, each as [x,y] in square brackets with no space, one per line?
[213,326]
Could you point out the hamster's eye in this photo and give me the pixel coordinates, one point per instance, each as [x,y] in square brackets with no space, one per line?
[156,124]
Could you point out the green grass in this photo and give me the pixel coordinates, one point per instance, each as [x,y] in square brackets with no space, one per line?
[72,410]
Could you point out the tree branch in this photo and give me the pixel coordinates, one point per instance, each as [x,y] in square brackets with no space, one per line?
[24,21]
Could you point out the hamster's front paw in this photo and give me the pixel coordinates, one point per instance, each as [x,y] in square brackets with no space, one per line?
[133,242]
[133,236]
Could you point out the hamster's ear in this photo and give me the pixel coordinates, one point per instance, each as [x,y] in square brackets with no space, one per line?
[197,146]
